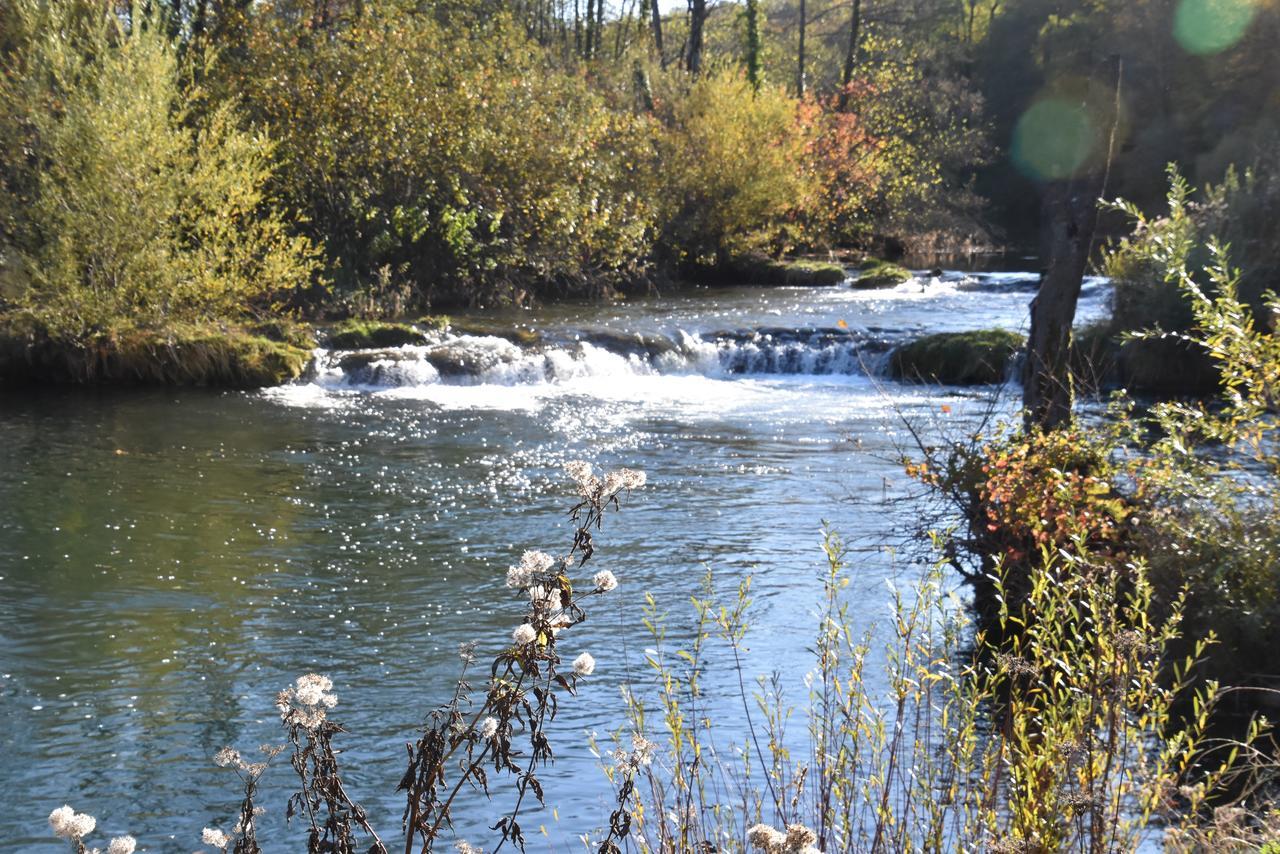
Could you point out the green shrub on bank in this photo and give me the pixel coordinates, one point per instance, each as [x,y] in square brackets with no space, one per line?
[126,207]
[1189,489]
[456,160]
[956,358]
[735,176]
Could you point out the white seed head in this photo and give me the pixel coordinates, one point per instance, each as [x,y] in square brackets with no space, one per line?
[584,665]
[524,633]
[227,756]
[216,838]
[532,563]
[60,821]
[122,845]
[605,581]
[488,727]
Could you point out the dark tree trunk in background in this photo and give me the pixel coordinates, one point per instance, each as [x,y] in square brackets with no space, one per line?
[755,67]
[1069,213]
[657,31]
[803,23]
[851,54]
[697,17]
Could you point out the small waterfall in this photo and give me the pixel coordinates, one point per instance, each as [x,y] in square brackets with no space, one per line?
[493,360]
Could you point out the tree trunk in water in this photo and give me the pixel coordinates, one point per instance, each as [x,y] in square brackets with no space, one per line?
[804,24]
[851,54]
[1070,214]
[697,17]
[1071,211]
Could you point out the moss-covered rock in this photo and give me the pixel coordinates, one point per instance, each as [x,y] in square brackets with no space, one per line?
[768,271]
[882,275]
[956,358]
[368,334]
[763,270]
[522,335]
[188,355]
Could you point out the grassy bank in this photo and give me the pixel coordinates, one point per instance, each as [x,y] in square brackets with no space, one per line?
[212,355]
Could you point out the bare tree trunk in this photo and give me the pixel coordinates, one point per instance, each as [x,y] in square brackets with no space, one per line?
[697,17]
[624,26]
[591,28]
[851,54]
[1070,211]
[804,24]
[656,14]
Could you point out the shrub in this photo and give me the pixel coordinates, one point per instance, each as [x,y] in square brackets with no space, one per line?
[734,169]
[133,209]
[468,167]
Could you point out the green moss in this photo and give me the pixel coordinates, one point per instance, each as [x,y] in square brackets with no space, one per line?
[478,326]
[366,334]
[286,332]
[763,270]
[186,355]
[882,275]
[768,271]
[956,358]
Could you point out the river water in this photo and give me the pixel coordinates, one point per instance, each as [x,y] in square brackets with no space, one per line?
[170,559]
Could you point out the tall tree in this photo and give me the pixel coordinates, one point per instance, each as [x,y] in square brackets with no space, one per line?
[755,68]
[802,25]
[656,14]
[851,53]
[697,21]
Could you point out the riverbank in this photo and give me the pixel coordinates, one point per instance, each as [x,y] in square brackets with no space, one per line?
[211,355]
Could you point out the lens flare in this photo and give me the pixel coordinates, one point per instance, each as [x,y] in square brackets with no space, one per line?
[1210,26]
[1053,139]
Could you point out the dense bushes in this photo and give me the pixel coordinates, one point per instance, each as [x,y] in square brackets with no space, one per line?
[124,205]
[467,165]
[425,157]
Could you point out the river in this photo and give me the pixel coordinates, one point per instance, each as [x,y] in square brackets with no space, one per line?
[169,559]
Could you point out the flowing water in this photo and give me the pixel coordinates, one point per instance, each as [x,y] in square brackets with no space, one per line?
[170,559]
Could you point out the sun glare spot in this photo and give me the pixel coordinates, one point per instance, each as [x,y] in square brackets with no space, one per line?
[1053,139]
[1210,26]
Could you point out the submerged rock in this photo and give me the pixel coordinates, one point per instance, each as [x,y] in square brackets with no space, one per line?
[956,358]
